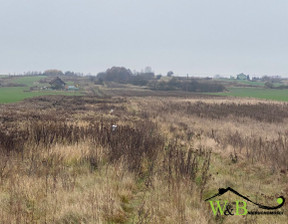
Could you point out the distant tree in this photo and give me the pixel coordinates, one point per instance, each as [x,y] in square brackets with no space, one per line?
[241,76]
[170,73]
[269,85]
[158,76]
[101,81]
[69,73]
[32,73]
[272,79]
[53,72]
[148,69]
[255,79]
[101,75]
[265,78]
[116,74]
[174,83]
[92,78]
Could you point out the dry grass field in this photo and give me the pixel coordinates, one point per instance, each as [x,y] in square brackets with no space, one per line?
[62,162]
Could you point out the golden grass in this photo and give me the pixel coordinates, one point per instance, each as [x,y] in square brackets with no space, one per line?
[61,183]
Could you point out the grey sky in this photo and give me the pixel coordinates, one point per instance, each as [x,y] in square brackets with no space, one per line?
[203,37]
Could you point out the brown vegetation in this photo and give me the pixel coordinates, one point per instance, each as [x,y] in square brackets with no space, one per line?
[62,162]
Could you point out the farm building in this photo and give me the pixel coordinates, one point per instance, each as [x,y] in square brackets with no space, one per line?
[243,77]
[57,83]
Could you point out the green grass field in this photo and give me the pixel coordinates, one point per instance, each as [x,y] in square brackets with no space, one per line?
[247,82]
[28,80]
[15,94]
[261,93]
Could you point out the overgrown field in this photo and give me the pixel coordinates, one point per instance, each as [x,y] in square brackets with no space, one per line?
[62,162]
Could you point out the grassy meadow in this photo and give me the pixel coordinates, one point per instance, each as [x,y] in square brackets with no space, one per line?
[18,93]
[235,88]
[61,161]
[260,93]
[28,81]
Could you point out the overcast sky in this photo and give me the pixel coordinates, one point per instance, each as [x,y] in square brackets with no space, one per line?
[203,37]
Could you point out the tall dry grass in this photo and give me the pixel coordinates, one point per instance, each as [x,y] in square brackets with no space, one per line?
[248,142]
[63,164]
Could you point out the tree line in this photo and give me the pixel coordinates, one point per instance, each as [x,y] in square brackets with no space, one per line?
[125,76]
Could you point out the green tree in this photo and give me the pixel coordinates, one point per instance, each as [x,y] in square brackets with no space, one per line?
[170,73]
[269,85]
